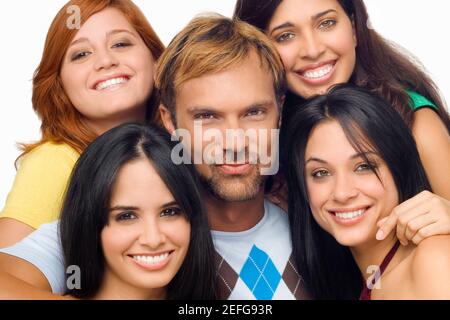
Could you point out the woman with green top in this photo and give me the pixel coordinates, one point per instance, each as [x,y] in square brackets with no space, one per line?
[326,42]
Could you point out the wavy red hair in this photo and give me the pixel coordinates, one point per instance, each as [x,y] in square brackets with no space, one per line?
[61,122]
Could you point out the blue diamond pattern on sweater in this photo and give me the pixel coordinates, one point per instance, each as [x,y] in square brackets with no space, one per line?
[260,274]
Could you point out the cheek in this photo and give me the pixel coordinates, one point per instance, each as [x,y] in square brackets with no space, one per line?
[344,44]
[205,146]
[263,135]
[179,233]
[288,55]
[318,194]
[318,197]
[388,195]
[115,241]
[385,194]
[69,83]
[75,82]
[374,188]
[74,77]
[143,62]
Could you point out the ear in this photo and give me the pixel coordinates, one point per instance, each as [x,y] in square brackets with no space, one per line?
[166,118]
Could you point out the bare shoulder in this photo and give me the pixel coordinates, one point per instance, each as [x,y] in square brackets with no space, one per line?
[433,245]
[430,268]
[433,143]
[427,126]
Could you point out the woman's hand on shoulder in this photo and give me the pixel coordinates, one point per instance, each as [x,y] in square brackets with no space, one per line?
[418,218]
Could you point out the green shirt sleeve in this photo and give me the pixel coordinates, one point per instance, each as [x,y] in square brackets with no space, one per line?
[418,101]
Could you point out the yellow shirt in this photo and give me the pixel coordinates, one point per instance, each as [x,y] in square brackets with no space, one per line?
[40,184]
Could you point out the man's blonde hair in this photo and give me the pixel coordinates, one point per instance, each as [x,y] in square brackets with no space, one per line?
[211,44]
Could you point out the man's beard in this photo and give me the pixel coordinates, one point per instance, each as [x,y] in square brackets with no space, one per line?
[233,188]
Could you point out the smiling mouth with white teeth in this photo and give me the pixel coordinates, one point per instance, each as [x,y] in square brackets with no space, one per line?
[110,83]
[348,216]
[317,73]
[151,260]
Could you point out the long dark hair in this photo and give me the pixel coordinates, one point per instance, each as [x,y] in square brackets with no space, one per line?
[85,211]
[368,122]
[381,66]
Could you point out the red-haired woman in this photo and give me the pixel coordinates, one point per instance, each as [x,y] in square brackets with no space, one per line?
[89,80]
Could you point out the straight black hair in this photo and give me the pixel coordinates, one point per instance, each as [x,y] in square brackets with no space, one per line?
[86,209]
[370,124]
[381,66]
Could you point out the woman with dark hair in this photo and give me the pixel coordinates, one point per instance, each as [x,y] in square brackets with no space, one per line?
[327,42]
[349,160]
[133,221]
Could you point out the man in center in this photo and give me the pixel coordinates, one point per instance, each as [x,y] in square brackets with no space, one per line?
[225,75]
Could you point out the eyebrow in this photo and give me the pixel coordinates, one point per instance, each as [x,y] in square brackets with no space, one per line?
[109,34]
[123,208]
[355,156]
[207,109]
[316,160]
[199,109]
[314,17]
[282,26]
[169,204]
[321,14]
[362,154]
[133,208]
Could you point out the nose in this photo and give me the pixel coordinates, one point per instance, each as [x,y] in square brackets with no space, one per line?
[151,234]
[235,141]
[344,189]
[311,47]
[105,60]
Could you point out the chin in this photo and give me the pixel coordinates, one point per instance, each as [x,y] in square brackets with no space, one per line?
[156,284]
[352,238]
[151,281]
[123,105]
[348,241]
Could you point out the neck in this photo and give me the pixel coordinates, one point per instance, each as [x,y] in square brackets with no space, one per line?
[114,288]
[235,216]
[373,254]
[100,126]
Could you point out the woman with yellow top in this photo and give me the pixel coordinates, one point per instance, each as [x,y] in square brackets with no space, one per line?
[89,80]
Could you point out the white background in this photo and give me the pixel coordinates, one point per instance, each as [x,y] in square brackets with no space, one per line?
[419,26]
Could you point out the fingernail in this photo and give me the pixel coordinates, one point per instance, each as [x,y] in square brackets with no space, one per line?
[380,235]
